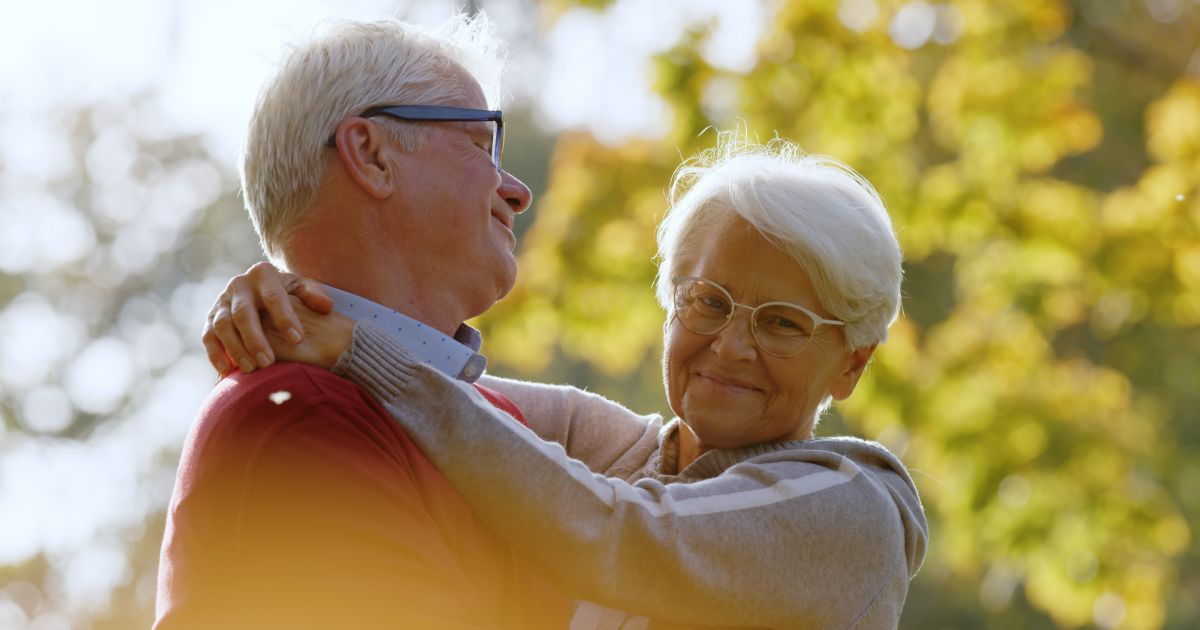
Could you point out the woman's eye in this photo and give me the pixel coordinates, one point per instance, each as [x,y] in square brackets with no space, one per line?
[784,323]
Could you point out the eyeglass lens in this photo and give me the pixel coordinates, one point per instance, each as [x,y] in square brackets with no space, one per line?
[706,308]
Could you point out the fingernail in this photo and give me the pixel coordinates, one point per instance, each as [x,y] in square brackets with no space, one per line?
[293,335]
[222,366]
[263,359]
[246,365]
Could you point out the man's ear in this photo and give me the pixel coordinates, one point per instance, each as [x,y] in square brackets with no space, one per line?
[855,365]
[365,153]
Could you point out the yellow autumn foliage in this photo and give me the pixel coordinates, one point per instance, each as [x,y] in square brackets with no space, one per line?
[1041,383]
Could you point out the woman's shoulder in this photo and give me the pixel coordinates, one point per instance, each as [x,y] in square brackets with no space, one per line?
[823,452]
[896,488]
[853,447]
[848,454]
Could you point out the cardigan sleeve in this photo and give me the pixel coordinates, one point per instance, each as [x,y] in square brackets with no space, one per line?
[813,537]
[604,435]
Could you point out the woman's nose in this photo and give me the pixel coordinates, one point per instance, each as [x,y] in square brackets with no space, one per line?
[735,342]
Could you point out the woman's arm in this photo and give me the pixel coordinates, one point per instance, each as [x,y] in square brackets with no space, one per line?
[811,537]
[605,436]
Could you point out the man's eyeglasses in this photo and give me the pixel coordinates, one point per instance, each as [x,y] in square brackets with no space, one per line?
[441,113]
[779,328]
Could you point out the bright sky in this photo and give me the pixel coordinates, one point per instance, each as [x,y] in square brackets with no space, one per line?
[208,57]
[205,60]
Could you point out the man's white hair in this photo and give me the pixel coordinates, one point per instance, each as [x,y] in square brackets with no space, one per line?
[820,212]
[343,71]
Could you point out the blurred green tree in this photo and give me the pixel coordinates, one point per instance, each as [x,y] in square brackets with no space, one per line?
[1041,160]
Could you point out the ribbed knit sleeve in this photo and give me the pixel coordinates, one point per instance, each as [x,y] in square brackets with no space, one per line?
[825,536]
[605,436]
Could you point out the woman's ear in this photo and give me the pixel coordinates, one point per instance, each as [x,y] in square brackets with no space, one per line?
[365,153]
[853,368]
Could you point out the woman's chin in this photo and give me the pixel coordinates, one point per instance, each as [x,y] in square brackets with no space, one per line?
[716,427]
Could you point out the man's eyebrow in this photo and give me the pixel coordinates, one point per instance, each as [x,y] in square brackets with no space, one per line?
[478,127]
[487,125]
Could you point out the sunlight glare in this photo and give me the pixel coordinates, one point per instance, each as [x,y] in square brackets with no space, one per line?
[33,151]
[12,615]
[858,15]
[1108,611]
[913,24]
[996,590]
[598,63]
[101,376]
[1165,11]
[46,409]
[89,575]
[42,338]
[53,234]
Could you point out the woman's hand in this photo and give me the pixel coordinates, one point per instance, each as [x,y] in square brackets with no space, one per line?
[329,335]
[233,332]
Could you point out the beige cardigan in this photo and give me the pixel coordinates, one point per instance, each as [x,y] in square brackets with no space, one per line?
[822,533]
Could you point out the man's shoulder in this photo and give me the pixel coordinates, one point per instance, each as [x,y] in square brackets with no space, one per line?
[283,397]
[283,386]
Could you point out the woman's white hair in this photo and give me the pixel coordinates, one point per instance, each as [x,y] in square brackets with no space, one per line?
[820,212]
[343,71]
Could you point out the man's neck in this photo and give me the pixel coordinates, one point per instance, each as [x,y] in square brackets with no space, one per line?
[421,301]
[340,244]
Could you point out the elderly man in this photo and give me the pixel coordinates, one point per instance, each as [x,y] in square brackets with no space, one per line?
[372,164]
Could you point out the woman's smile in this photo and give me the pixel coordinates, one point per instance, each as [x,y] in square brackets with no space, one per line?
[727,384]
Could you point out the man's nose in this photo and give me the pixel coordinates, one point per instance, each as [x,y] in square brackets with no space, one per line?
[514,192]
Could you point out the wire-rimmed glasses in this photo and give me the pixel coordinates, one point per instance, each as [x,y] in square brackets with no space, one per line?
[780,329]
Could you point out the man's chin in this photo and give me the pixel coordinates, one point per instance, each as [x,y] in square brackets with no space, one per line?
[505,286]
[504,273]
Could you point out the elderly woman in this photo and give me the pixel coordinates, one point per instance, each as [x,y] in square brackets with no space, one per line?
[780,275]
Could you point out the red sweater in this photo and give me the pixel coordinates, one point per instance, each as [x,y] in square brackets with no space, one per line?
[300,504]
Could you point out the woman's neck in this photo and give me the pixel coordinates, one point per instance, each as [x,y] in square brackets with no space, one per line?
[690,447]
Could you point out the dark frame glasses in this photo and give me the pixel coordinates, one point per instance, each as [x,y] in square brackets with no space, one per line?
[443,113]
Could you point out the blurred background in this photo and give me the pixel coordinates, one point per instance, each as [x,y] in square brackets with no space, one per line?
[1040,158]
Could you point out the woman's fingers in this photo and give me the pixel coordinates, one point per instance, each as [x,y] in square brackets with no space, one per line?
[269,288]
[236,327]
[328,337]
[262,298]
[222,333]
[213,347]
[244,313]
[312,294]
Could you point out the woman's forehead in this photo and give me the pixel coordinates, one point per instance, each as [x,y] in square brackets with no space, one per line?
[748,265]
